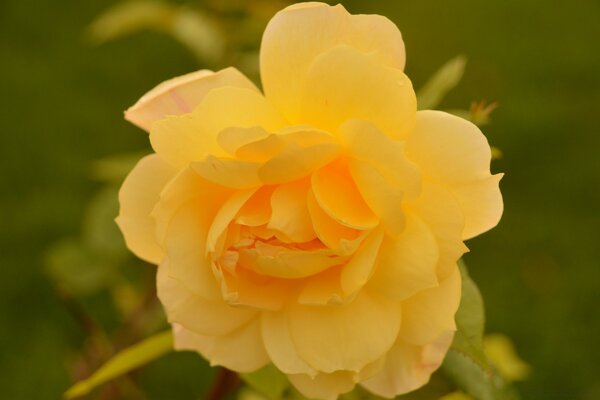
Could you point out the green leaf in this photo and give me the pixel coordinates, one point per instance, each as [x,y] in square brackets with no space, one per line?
[130,17]
[470,322]
[125,361]
[444,80]
[268,381]
[191,27]
[466,363]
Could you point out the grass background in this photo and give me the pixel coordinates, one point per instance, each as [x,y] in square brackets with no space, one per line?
[61,103]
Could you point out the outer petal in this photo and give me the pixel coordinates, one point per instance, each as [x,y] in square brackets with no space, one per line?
[137,197]
[345,337]
[407,264]
[323,386]
[344,84]
[298,34]
[190,137]
[182,94]
[280,346]
[408,367]
[241,350]
[453,152]
[195,313]
[429,313]
[441,212]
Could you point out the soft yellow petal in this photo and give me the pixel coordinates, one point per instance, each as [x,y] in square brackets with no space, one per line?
[257,210]
[344,84]
[384,198]
[337,194]
[228,172]
[195,313]
[248,289]
[185,246]
[323,386]
[186,186]
[295,162]
[190,137]
[327,229]
[241,350]
[285,263]
[290,212]
[408,367]
[279,344]
[363,141]
[182,94]
[231,139]
[441,212]
[345,337]
[406,264]
[429,313]
[225,215]
[298,34]
[361,266]
[453,152]
[482,205]
[137,197]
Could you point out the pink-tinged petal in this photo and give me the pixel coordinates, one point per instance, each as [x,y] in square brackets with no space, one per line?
[241,350]
[408,367]
[182,94]
[191,137]
[300,33]
[430,312]
[453,152]
[137,197]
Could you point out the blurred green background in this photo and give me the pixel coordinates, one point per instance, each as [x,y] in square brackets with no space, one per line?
[61,106]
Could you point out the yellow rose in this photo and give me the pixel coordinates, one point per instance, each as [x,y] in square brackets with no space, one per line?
[318,226]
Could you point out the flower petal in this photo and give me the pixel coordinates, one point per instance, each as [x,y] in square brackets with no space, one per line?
[337,194]
[345,337]
[329,231]
[407,264]
[137,197]
[441,212]
[279,344]
[299,33]
[359,269]
[344,84]
[323,386]
[182,94]
[408,367]
[225,215]
[241,350]
[453,152]
[429,313]
[190,137]
[290,214]
[228,172]
[195,313]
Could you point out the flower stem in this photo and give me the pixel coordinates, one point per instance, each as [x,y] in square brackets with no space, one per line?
[225,382]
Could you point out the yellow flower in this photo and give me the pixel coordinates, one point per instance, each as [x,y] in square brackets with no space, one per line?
[318,226]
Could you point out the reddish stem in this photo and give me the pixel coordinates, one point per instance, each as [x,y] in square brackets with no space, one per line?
[225,382]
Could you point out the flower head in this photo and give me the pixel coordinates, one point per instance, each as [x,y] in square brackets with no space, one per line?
[316,226]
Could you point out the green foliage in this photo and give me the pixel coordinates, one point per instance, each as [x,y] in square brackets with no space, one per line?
[445,79]
[124,362]
[466,363]
[191,27]
[268,381]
